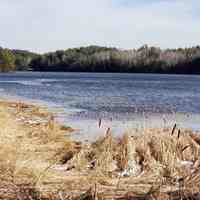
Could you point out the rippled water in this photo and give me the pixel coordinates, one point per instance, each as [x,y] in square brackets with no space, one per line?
[85,97]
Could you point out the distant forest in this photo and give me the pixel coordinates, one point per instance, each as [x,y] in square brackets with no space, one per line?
[102,59]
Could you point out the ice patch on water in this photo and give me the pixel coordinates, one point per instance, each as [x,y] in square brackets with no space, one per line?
[35,82]
[23,82]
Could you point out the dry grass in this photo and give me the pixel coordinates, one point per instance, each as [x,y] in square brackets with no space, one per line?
[39,161]
[31,142]
[167,165]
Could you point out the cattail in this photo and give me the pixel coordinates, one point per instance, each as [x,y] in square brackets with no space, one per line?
[174,128]
[100,121]
[179,133]
[108,131]
[186,147]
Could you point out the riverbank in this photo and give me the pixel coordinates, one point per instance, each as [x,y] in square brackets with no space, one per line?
[146,59]
[39,160]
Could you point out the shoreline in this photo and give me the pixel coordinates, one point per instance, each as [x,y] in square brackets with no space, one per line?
[39,156]
[87,129]
[82,109]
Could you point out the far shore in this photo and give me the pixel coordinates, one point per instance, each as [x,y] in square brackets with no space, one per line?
[40,160]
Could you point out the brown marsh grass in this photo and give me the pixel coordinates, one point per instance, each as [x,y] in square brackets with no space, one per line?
[38,160]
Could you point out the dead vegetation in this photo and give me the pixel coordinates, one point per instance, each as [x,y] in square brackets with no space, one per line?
[38,161]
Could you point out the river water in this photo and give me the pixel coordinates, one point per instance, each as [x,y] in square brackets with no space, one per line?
[121,101]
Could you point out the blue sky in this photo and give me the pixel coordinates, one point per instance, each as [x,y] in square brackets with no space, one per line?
[47,25]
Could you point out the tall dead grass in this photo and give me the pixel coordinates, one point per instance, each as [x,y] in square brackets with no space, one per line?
[168,163]
[38,161]
[31,142]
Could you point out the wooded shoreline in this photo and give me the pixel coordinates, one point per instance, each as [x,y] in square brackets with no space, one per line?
[104,59]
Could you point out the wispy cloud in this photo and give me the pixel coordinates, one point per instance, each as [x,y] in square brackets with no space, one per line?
[48,24]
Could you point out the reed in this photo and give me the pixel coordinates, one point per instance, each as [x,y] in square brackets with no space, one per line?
[38,161]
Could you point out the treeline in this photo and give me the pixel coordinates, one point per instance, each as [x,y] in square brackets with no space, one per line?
[23,59]
[102,59]
[13,60]
[7,60]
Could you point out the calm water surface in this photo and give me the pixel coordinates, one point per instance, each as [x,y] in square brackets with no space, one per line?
[120,100]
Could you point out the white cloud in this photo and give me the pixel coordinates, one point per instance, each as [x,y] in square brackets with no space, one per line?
[48,25]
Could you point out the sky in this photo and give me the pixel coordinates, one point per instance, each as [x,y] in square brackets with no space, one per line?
[48,25]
